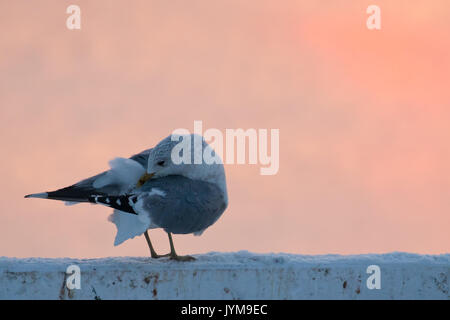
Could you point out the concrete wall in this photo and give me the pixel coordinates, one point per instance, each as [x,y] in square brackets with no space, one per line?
[240,275]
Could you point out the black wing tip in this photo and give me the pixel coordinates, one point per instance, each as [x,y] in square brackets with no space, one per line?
[42,195]
[117,202]
[121,203]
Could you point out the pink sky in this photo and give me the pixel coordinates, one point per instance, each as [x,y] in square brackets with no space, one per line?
[363,118]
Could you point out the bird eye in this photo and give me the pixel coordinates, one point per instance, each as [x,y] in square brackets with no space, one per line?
[160,163]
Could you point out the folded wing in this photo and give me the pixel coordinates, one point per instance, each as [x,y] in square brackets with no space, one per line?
[121,178]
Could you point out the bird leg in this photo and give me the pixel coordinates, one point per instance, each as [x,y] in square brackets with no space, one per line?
[173,254]
[152,250]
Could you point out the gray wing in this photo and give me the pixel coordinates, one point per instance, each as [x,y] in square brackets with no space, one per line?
[184,206]
[82,191]
[174,203]
[141,158]
[111,189]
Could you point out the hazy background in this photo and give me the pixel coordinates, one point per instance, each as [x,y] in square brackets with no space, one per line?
[363,118]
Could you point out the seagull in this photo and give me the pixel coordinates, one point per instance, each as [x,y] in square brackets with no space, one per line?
[152,189]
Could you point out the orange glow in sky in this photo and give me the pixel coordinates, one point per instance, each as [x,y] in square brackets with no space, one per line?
[363,118]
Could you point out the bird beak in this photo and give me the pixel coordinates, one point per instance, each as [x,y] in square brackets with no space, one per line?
[145,177]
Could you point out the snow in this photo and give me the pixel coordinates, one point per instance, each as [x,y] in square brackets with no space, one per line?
[239,275]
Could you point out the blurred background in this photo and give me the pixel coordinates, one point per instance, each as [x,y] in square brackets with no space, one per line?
[363,118]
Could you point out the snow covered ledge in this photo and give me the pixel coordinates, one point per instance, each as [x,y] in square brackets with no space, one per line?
[240,275]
